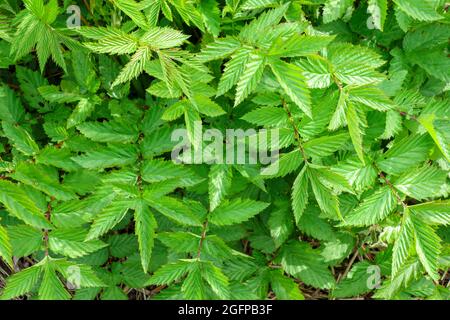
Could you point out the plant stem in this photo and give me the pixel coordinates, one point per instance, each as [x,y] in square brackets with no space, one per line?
[48,215]
[296,132]
[202,239]
[390,185]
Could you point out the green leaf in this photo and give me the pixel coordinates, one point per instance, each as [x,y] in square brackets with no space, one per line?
[296,45]
[409,271]
[114,155]
[299,260]
[311,224]
[358,175]
[436,129]
[57,157]
[404,245]
[393,124]
[335,9]
[108,218]
[236,211]
[345,53]
[220,177]
[257,4]
[357,123]
[22,282]
[426,37]
[134,67]
[219,49]
[285,288]
[193,286]
[422,10]
[355,64]
[79,275]
[206,106]
[216,280]
[145,231]
[84,71]
[182,242]
[427,244]
[355,283]
[170,272]
[111,131]
[372,209]
[326,199]
[423,182]
[11,109]
[332,180]
[262,23]
[300,195]
[34,30]
[280,225]
[316,71]
[250,77]
[371,97]
[325,145]
[132,9]
[291,79]
[266,116]
[51,287]
[175,111]
[434,62]
[70,243]
[338,249]
[110,40]
[193,126]
[233,70]
[123,245]
[83,110]
[163,38]
[53,94]
[405,154]
[287,163]
[43,178]
[20,205]
[435,212]
[24,240]
[5,246]
[21,139]
[159,170]
[174,209]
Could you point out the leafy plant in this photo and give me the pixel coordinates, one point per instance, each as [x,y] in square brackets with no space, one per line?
[353,96]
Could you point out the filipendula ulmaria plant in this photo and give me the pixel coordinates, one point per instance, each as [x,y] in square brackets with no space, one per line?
[355,92]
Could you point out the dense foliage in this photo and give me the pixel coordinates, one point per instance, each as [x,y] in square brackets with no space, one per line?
[93,207]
